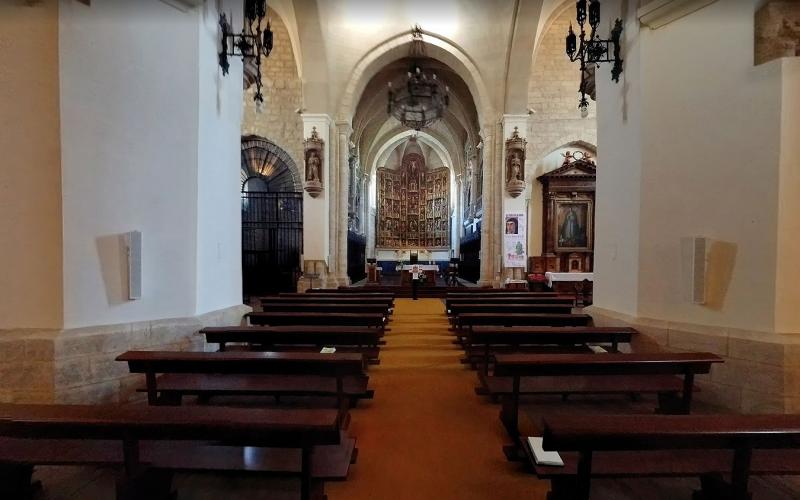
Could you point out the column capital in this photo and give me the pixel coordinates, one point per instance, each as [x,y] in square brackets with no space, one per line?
[344,127]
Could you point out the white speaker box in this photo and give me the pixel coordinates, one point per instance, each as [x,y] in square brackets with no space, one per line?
[133,244]
[693,268]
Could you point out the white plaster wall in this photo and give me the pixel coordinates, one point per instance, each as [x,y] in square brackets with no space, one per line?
[619,152]
[219,234]
[30,167]
[787,314]
[129,114]
[710,155]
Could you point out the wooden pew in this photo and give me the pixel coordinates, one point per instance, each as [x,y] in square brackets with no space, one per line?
[339,296]
[358,339]
[150,443]
[476,307]
[373,320]
[499,292]
[666,374]
[328,298]
[244,373]
[483,341]
[705,446]
[449,301]
[466,321]
[320,307]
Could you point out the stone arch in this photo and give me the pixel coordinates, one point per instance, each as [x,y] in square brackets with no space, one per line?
[263,159]
[396,48]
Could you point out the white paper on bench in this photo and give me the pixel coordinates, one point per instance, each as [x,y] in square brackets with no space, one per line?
[328,350]
[543,457]
[597,349]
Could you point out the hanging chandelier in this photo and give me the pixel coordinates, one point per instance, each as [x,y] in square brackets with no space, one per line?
[251,45]
[592,50]
[424,98]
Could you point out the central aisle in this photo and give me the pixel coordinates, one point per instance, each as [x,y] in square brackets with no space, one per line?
[426,435]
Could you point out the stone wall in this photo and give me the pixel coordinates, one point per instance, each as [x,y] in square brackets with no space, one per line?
[777,31]
[77,365]
[277,120]
[553,95]
[761,372]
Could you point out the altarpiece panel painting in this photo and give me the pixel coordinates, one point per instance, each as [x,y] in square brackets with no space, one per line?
[413,205]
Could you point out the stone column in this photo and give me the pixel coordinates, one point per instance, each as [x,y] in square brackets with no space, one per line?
[316,225]
[457,221]
[488,255]
[343,131]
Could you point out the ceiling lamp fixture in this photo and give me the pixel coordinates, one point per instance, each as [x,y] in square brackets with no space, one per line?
[424,98]
[252,44]
[593,51]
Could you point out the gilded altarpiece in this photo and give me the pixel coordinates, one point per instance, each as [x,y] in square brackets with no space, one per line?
[413,205]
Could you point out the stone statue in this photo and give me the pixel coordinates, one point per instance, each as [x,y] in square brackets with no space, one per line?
[313,166]
[516,168]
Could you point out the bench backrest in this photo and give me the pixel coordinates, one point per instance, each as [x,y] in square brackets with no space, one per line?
[333,307]
[326,299]
[524,319]
[604,364]
[243,362]
[276,427]
[266,335]
[566,335]
[476,307]
[649,432]
[316,318]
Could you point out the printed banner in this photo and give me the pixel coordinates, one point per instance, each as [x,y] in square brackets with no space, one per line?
[515,237]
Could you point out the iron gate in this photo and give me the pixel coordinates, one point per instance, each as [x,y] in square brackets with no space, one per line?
[272,241]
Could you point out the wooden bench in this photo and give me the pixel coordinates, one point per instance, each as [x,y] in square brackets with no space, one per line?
[321,307]
[326,299]
[358,339]
[705,446]
[373,320]
[339,296]
[148,444]
[508,300]
[466,321]
[457,309]
[666,374]
[497,292]
[483,341]
[248,373]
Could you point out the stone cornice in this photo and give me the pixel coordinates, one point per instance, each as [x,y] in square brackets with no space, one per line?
[659,13]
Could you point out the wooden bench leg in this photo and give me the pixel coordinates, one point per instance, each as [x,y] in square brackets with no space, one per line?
[565,488]
[16,481]
[147,484]
[670,403]
[714,487]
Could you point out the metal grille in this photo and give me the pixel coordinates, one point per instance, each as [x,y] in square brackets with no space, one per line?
[272,241]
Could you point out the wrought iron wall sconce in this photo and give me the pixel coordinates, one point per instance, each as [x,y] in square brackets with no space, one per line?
[252,44]
[592,50]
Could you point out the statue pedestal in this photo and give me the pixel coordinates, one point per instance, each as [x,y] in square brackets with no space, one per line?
[515,188]
[314,188]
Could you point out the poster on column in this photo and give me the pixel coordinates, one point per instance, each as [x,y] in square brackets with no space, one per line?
[514,239]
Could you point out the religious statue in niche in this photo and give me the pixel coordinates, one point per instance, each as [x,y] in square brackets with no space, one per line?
[515,164]
[313,151]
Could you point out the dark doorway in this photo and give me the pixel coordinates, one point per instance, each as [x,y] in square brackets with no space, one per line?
[470,251]
[272,219]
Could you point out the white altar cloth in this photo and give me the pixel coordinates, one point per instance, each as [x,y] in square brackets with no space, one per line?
[422,267]
[551,277]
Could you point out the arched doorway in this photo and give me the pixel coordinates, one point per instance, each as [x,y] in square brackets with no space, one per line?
[272,218]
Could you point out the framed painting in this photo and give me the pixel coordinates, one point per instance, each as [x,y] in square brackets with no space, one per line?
[573,225]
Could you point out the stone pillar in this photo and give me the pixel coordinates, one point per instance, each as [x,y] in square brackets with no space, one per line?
[511,204]
[343,131]
[457,220]
[316,224]
[488,254]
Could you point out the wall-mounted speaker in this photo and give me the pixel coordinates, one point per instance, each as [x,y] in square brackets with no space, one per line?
[133,245]
[693,268]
